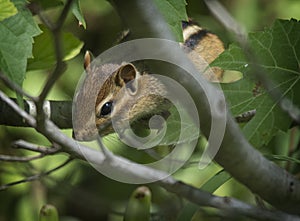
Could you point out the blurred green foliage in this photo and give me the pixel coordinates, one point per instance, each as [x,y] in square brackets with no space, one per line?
[78,191]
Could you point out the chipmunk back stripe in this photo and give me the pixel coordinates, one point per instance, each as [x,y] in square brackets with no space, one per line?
[192,34]
[195,38]
[205,44]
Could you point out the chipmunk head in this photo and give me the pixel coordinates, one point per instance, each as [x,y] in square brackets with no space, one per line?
[117,92]
[128,96]
[123,94]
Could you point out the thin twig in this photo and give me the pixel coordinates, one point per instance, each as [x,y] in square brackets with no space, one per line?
[60,64]
[245,117]
[108,155]
[59,69]
[22,144]
[8,158]
[13,86]
[63,15]
[37,176]
[35,8]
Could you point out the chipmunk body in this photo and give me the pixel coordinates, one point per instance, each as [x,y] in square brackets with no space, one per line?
[206,45]
[128,95]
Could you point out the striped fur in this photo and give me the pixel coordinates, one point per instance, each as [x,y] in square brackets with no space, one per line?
[205,44]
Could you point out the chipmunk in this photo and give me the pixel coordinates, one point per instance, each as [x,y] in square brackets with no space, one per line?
[126,88]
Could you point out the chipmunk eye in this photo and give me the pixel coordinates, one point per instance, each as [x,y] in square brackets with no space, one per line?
[106,108]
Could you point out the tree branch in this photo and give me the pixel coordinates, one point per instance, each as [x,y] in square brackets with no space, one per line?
[29,119]
[236,155]
[231,207]
[60,112]
[141,172]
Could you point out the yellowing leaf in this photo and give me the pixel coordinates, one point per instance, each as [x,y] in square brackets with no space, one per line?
[7,9]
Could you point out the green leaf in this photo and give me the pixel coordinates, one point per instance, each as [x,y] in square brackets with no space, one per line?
[43,50]
[278,51]
[76,10]
[16,38]
[187,212]
[174,12]
[216,181]
[176,126]
[7,9]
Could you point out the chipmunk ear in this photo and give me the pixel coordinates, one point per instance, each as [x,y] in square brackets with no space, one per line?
[127,75]
[88,57]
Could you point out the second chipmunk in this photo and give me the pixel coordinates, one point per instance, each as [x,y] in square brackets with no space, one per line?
[113,102]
